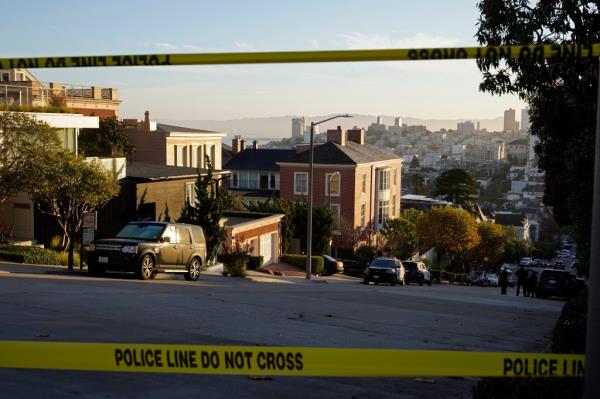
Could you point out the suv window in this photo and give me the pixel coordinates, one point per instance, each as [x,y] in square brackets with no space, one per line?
[410,266]
[197,235]
[171,233]
[184,235]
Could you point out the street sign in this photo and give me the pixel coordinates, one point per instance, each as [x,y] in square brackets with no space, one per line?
[88,236]
[89,220]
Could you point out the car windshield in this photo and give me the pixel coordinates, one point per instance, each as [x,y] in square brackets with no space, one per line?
[142,231]
[491,276]
[386,263]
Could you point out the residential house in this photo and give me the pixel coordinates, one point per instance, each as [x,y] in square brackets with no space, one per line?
[360,182]
[517,150]
[255,171]
[421,202]
[20,87]
[516,220]
[173,145]
[18,211]
[150,191]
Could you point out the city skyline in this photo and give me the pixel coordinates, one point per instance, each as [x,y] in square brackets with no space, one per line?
[441,90]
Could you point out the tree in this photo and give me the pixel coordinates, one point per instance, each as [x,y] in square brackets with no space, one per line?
[414,164]
[109,140]
[276,205]
[516,247]
[491,245]
[69,187]
[25,145]
[416,184]
[401,235]
[452,231]
[457,186]
[211,200]
[561,93]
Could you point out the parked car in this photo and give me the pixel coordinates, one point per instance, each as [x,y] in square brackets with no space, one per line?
[355,268]
[475,278]
[559,283]
[385,270]
[416,272]
[510,279]
[489,280]
[332,266]
[147,248]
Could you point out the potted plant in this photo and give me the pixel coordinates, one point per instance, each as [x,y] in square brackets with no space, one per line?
[235,258]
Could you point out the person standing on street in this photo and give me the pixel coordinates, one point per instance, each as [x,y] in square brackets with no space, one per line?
[503,281]
[521,280]
[532,284]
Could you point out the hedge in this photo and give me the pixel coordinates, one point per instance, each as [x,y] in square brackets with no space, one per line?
[255,262]
[300,260]
[33,255]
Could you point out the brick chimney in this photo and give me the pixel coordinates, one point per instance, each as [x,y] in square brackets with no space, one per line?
[357,136]
[255,145]
[147,121]
[337,135]
[236,144]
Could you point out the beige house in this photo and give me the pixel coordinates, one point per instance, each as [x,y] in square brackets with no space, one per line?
[173,145]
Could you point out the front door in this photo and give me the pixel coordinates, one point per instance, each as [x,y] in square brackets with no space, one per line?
[169,251]
[266,248]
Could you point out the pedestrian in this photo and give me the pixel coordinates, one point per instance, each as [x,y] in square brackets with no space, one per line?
[521,280]
[532,284]
[503,281]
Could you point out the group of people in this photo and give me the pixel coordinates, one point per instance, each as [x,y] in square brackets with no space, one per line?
[525,280]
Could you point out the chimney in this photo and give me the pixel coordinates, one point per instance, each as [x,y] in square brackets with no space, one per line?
[255,145]
[357,136]
[337,136]
[236,144]
[147,121]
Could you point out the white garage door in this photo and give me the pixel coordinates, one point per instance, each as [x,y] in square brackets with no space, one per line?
[266,248]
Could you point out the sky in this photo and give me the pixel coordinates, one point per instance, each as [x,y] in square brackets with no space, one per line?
[425,89]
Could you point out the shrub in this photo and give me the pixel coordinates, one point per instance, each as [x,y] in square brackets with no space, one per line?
[64,258]
[300,260]
[255,262]
[33,255]
[365,253]
[234,264]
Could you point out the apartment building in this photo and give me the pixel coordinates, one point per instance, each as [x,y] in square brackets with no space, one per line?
[360,182]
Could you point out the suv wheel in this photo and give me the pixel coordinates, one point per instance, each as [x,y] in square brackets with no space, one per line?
[193,271]
[421,278]
[146,267]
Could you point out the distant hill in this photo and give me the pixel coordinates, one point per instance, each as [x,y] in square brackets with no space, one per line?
[278,127]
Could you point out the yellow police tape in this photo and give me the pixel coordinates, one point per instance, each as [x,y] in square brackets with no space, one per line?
[489,52]
[288,361]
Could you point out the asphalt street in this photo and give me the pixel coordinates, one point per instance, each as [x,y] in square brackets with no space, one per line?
[46,304]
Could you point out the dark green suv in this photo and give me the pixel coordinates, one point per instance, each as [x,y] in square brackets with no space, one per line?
[147,248]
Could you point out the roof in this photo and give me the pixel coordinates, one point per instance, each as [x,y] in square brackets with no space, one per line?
[173,128]
[352,153]
[423,199]
[151,171]
[259,159]
[510,219]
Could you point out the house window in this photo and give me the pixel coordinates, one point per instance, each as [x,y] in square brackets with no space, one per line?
[253,180]
[175,155]
[264,181]
[235,181]
[364,183]
[335,209]
[383,209]
[190,192]
[274,181]
[394,206]
[363,214]
[395,177]
[334,190]
[300,183]
[384,180]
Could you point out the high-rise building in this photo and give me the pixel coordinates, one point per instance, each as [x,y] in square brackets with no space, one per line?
[298,127]
[380,120]
[398,121]
[466,127]
[525,119]
[509,121]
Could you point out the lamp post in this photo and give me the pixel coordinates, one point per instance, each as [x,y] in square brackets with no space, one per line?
[310,192]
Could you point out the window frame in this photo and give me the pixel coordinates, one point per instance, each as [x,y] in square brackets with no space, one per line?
[339,185]
[296,174]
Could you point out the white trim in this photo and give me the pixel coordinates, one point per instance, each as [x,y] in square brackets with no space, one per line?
[307,183]
[327,179]
[305,165]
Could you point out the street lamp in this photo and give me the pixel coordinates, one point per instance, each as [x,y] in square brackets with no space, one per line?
[310,191]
